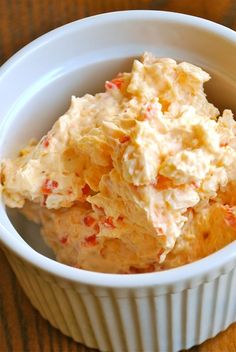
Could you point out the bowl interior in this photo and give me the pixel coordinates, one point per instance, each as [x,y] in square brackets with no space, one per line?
[78,58]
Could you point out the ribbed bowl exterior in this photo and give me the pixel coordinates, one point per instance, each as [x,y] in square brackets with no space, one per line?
[147,319]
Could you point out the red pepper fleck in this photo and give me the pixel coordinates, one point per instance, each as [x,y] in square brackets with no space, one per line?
[223,144]
[114,83]
[64,239]
[124,139]
[147,113]
[86,189]
[46,142]
[163,183]
[89,221]
[91,241]
[117,82]
[49,186]
[108,222]
[120,218]
[205,235]
[108,85]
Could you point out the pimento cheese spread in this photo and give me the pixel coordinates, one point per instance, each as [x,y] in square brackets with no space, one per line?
[135,179]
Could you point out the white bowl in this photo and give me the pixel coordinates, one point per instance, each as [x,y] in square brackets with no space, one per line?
[165,311]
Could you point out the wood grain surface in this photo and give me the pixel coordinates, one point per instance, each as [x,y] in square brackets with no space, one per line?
[21,327]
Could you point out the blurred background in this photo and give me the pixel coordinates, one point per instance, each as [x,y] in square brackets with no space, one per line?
[21,21]
[21,328]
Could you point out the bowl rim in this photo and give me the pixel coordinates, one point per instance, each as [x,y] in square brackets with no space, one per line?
[193,271]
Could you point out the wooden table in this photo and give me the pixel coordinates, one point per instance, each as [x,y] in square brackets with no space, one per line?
[21,327]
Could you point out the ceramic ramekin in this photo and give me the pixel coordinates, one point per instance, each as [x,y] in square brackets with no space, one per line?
[165,311]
